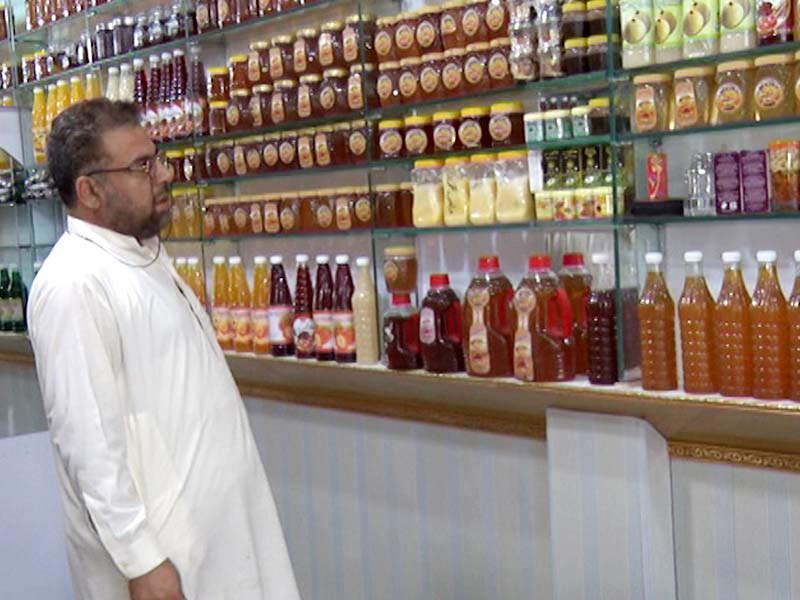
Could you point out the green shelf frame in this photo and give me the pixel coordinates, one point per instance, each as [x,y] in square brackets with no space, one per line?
[706,219]
[710,129]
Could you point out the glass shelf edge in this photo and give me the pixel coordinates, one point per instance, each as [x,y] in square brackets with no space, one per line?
[632,137]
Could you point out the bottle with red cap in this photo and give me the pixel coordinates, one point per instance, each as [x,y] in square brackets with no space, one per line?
[440,328]
[488,333]
[544,349]
[577,280]
[401,334]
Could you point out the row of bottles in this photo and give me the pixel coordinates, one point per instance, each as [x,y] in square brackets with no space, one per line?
[194,276]
[13,300]
[737,346]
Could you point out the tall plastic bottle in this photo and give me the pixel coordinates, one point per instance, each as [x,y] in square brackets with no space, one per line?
[261,285]
[770,322]
[733,332]
[76,91]
[51,105]
[401,334]
[577,280]
[140,89]
[197,279]
[240,303]
[126,82]
[364,314]
[220,311]
[344,332]
[696,311]
[440,328]
[323,310]
[152,122]
[112,84]
[657,329]
[63,101]
[93,88]
[794,332]
[197,93]
[181,265]
[178,123]
[281,333]
[39,125]
[601,333]
[165,114]
[303,322]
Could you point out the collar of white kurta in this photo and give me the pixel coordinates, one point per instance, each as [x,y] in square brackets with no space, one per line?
[125,248]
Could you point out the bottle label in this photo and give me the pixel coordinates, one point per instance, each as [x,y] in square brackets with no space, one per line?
[645,108]
[404,37]
[223,163]
[270,155]
[280,324]
[223,11]
[221,317]
[390,271]
[300,56]
[323,331]
[276,108]
[385,87]
[451,76]
[500,128]
[224,223]
[240,219]
[686,102]
[255,111]
[391,142]
[260,328]
[272,223]
[343,220]
[444,136]
[275,63]
[188,169]
[363,210]
[253,160]
[209,223]
[357,143]
[287,152]
[327,97]
[344,332]
[427,326]
[416,141]
[321,149]
[474,69]
[324,216]
[239,161]
[769,93]
[256,222]
[470,133]
[383,43]
[303,329]
[470,22]
[408,84]
[243,334]
[189,214]
[288,219]
[198,112]
[426,34]
[498,66]
[729,98]
[201,14]
[354,98]
[253,67]
[304,101]
[325,49]
[495,16]
[305,153]
[478,346]
[525,303]
[429,80]
[448,24]
[350,43]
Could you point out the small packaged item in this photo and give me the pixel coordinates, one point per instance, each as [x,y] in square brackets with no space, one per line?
[557,125]
[657,176]
[755,196]
[534,127]
[727,183]
[784,172]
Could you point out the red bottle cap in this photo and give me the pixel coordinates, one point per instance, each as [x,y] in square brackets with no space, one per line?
[440,280]
[487,264]
[539,261]
[401,299]
[573,260]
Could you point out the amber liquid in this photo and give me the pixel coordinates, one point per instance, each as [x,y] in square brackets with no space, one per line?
[770,323]
[499,349]
[696,312]
[578,287]
[733,343]
[657,333]
[402,348]
[631,341]
[601,338]
[441,340]
[794,341]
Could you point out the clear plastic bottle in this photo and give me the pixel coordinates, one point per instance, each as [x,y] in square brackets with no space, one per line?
[696,312]
[794,332]
[601,335]
[239,300]
[733,343]
[220,311]
[260,314]
[126,82]
[401,334]
[196,279]
[770,322]
[657,329]
[112,84]
[365,314]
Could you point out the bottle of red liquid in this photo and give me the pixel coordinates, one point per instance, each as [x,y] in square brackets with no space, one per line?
[344,331]
[281,333]
[140,89]
[152,118]
[323,310]
[197,92]
[303,323]
[401,334]
[165,98]
[577,280]
[179,127]
[440,328]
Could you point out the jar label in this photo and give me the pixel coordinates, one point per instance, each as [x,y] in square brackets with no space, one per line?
[240,218]
[253,158]
[357,143]
[363,210]
[255,112]
[525,304]
[209,223]
[408,84]
[323,334]
[280,325]
[444,136]
[188,169]
[327,98]
[324,216]
[344,332]
[429,80]
[448,25]
[253,68]
[300,57]
[404,37]
[686,103]
[729,98]
[325,49]
[287,219]
[239,161]
[354,99]
[500,128]
[223,11]
[304,153]
[391,143]
[321,148]
[304,334]
[221,318]
[343,220]
[232,115]
[451,76]
[416,141]
[385,87]
[287,152]
[478,338]
[256,223]
[474,69]
[495,16]
[427,326]
[224,223]
[270,155]
[426,34]
[223,163]
[201,14]
[275,63]
[469,132]
[498,66]
[383,43]
[304,102]
[645,112]
[276,108]
[272,224]
[350,44]
[390,271]
[769,93]
[470,22]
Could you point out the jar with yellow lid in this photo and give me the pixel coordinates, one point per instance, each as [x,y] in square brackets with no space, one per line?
[429,38]
[359,30]
[600,116]
[428,193]
[281,58]
[408,83]
[482,189]
[691,96]
[733,92]
[456,191]
[390,139]
[599,50]
[596,17]
[652,94]
[430,76]
[237,72]
[573,20]
[772,97]
[218,84]
[418,135]
[473,130]
[217,117]
[514,202]
[574,59]
[506,125]
[445,131]
[305,60]
[405,39]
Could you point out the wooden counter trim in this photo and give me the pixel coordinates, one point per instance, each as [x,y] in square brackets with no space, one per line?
[740,457]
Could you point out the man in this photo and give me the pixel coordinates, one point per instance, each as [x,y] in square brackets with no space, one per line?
[164,494]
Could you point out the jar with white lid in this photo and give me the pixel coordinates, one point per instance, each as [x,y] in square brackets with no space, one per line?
[557,125]
[514,203]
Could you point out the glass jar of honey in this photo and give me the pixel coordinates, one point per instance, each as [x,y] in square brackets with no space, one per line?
[304,58]
[429,38]
[331,55]
[239,158]
[506,125]
[322,209]
[476,73]
[238,115]
[308,97]
[408,83]
[390,139]
[269,152]
[253,147]
[283,108]
[405,39]
[473,22]
[445,131]
[473,129]
[499,65]
[385,50]
[358,141]
[385,202]
[772,91]
[323,146]
[333,92]
[430,76]
[305,148]
[258,64]
[339,141]
[287,150]
[218,84]
[217,117]
[262,94]
[450,26]
[733,95]
[453,72]
[388,84]
[281,58]
[362,208]
[224,159]
[361,87]
[418,135]
[352,39]
[237,72]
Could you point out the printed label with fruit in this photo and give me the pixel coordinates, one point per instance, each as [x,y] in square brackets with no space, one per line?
[700,20]
[469,132]
[737,15]
[645,109]
[343,220]
[275,63]
[686,102]
[470,22]
[408,84]
[357,143]
[272,222]
[224,223]
[288,219]
[253,68]
[304,333]
[344,332]
[426,34]
[280,325]
[383,43]
[255,111]
[323,331]
[363,210]
[350,43]
[253,159]
[667,27]
[498,66]
[325,50]
[636,17]
[448,24]
[354,98]
[324,216]
[276,109]
[239,161]
[385,87]
[321,149]
[478,335]
[327,97]
[495,16]
[300,56]
[260,329]
[416,141]
[256,222]
[287,152]
[729,98]
[303,102]
[429,80]
[270,155]
[243,333]
[500,127]
[221,318]
[240,218]
[202,16]
[232,115]
[444,136]
[391,142]
[404,37]
[305,154]
[770,93]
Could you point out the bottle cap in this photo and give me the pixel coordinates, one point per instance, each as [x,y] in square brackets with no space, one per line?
[193,261]
[693,256]
[219,260]
[440,280]
[539,261]
[277,259]
[732,257]
[260,260]
[342,259]
[235,260]
[797,256]
[301,258]
[401,299]
[573,260]
[766,256]
[138,63]
[362,261]
[180,260]
[323,259]
[600,258]
[653,258]
[487,264]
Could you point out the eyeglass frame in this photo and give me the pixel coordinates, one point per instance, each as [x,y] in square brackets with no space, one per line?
[148,167]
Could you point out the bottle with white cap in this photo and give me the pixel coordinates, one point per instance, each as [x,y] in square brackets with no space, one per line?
[180,266]
[794,332]
[733,338]
[364,314]
[196,279]
[601,316]
[344,331]
[657,329]
[770,321]
[281,334]
[220,313]
[696,313]
[240,305]
[303,321]
[323,310]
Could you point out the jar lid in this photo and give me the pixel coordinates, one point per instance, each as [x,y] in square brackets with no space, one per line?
[599,103]
[357,124]
[513,155]
[390,124]
[478,47]
[430,10]
[307,32]
[387,187]
[432,56]
[174,153]
[571,7]
[456,160]
[595,4]
[282,39]
[454,52]
[446,115]
[561,113]
[368,67]
[537,116]
[406,251]
[697,71]
[774,59]
[453,4]
[334,73]
[309,79]
[593,40]
[325,129]
[253,139]
[306,131]
[498,42]
[428,163]
[218,71]
[341,127]
[734,65]
[389,65]
[482,158]
[240,93]
[575,42]
[418,120]
[652,78]
[410,62]
[285,83]
[507,107]
[331,26]
[272,136]
[262,45]
[580,111]
[356,18]
[264,88]
[406,186]
[475,111]
[218,104]
[235,58]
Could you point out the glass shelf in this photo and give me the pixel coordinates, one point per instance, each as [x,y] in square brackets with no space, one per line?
[681,220]
[591,140]
[267,236]
[656,135]
[532,225]
[280,175]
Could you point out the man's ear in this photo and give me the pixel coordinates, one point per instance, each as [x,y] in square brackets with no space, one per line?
[88,193]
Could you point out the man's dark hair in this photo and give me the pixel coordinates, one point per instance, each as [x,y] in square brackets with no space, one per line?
[75,144]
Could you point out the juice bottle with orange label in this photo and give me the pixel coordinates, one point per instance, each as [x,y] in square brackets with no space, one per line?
[696,312]
[239,300]
[196,279]
[770,323]
[733,337]
[344,331]
[181,267]
[281,333]
[39,125]
[260,314]
[303,323]
[657,329]
[794,332]
[323,310]
[577,280]
[220,312]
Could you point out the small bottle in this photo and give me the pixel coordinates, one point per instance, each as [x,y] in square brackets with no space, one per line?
[365,314]
[239,301]
[657,329]
[260,314]
[401,334]
[696,312]
[181,266]
[112,85]
[343,326]
[196,279]
[440,328]
[601,335]
[281,334]
[303,321]
[733,334]
[794,332]
[770,322]
[197,96]
[220,312]
[323,310]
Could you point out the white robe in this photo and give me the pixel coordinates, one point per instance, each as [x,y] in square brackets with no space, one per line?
[153,448]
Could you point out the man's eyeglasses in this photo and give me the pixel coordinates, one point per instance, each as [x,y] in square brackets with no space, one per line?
[145,166]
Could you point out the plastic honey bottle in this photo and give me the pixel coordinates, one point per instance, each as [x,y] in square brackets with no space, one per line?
[733,341]
[440,328]
[657,329]
[401,334]
[770,322]
[794,332]
[365,314]
[220,312]
[601,333]
[696,312]
[260,314]
[577,280]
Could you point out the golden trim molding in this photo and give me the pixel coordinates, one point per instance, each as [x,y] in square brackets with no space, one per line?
[741,457]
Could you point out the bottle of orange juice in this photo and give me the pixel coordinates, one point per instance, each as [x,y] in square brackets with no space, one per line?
[93,89]
[696,312]
[260,314]
[794,332]
[657,329]
[51,105]
[733,343]
[770,322]
[239,301]
[197,279]
[39,125]
[220,312]
[181,268]
[63,100]
[76,93]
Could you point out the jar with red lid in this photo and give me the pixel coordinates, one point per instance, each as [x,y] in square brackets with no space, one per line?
[450,25]
[308,97]
[473,128]
[385,50]
[262,95]
[258,64]
[497,19]
[305,59]
[429,38]
[473,22]
[329,45]
[270,157]
[237,72]
[430,76]
[453,72]
[305,148]
[253,146]
[499,65]
[239,158]
[388,85]
[333,92]
[281,58]
[283,108]
[238,115]
[361,84]
[323,146]
[408,83]
[358,143]
[218,84]
[224,159]
[390,139]
[476,72]
[445,131]
[287,150]
[506,124]
[352,39]
[217,117]
[418,135]
[405,38]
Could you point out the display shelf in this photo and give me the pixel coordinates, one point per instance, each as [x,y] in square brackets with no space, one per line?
[578,142]
[706,219]
[267,236]
[387,163]
[582,225]
[281,174]
[710,129]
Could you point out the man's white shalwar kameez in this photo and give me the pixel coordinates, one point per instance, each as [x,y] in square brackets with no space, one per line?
[153,448]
